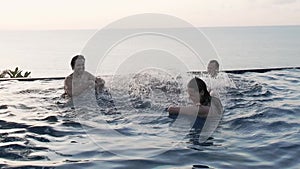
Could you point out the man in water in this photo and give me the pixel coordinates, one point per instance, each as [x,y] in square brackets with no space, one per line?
[80,80]
[216,82]
[213,68]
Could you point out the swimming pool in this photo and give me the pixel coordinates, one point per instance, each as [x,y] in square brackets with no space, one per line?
[259,129]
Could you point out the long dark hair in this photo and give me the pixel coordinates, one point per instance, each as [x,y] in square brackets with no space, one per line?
[199,85]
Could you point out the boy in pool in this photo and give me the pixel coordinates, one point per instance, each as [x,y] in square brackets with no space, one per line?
[213,71]
[201,99]
[213,68]
[216,82]
[80,80]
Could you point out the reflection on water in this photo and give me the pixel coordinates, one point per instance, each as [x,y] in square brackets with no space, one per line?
[259,128]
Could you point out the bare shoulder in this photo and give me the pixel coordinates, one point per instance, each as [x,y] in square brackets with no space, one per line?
[69,78]
[89,75]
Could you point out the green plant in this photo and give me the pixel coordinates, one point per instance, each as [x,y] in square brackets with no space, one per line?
[3,74]
[17,73]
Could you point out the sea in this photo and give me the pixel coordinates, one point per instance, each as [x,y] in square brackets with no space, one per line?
[128,127]
[48,53]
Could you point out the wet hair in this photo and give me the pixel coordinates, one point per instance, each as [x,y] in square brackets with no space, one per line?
[199,85]
[73,61]
[215,62]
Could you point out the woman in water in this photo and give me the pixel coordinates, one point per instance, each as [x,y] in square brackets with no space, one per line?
[207,109]
[201,99]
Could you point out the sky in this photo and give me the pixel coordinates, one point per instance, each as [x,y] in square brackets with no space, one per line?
[93,14]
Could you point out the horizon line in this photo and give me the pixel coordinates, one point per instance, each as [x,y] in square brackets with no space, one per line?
[86,29]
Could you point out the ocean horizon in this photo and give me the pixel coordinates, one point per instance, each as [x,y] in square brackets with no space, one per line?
[47,53]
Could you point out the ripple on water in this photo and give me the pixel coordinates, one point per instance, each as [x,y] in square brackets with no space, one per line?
[259,128]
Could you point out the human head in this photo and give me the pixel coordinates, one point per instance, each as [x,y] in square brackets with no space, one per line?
[77,63]
[99,84]
[198,91]
[213,68]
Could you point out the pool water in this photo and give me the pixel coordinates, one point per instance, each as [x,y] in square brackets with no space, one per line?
[259,128]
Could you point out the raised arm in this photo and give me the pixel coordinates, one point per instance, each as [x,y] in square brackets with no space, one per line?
[201,111]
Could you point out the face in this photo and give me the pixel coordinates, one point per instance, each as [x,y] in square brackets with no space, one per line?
[212,69]
[79,65]
[194,95]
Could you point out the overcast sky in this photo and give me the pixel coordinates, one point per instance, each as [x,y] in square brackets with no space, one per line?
[94,14]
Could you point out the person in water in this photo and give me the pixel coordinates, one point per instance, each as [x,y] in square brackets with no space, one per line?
[207,109]
[212,80]
[216,81]
[201,98]
[213,68]
[80,80]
